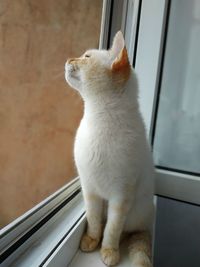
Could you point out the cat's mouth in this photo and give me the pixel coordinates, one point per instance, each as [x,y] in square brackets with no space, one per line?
[72,71]
[75,77]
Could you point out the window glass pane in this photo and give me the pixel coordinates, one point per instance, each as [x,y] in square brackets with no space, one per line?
[177,135]
[39,113]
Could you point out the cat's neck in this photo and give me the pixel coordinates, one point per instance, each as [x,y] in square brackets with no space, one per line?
[100,103]
[121,100]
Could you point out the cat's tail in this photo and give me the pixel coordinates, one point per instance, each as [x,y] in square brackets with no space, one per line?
[140,249]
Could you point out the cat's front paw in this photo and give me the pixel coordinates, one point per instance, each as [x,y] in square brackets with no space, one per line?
[110,256]
[88,243]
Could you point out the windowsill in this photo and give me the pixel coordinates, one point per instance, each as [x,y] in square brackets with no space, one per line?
[93,258]
[46,239]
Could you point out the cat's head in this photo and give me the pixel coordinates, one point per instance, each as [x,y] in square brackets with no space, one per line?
[97,71]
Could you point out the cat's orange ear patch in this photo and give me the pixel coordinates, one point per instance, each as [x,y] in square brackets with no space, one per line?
[121,62]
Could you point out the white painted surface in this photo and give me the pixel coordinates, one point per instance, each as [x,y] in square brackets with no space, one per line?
[46,238]
[93,259]
[65,252]
[18,227]
[148,55]
[148,61]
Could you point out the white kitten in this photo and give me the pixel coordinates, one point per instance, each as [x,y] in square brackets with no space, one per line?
[112,155]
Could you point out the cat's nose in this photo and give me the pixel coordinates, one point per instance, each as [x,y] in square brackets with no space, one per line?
[70,60]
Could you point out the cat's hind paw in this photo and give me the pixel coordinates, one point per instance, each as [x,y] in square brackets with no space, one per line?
[110,256]
[88,243]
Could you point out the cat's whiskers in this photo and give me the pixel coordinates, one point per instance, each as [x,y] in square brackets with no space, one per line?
[58,75]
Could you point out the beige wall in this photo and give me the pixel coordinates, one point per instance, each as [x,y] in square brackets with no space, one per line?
[39,113]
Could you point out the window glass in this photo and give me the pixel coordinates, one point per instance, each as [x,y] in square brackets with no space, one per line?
[177,135]
[39,113]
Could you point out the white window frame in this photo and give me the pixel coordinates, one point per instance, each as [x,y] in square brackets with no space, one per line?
[41,233]
[144,24]
[149,62]
[143,27]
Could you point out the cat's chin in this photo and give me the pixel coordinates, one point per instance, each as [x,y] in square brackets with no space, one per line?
[71,77]
[73,82]
[75,77]
[70,74]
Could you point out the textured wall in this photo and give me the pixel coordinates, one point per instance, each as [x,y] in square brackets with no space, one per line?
[39,113]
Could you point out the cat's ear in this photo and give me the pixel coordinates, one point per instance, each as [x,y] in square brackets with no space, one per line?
[118,44]
[119,53]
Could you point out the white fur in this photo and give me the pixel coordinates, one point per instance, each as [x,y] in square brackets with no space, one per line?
[111,152]
[112,155]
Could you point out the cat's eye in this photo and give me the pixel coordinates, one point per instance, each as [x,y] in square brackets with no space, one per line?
[87,55]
